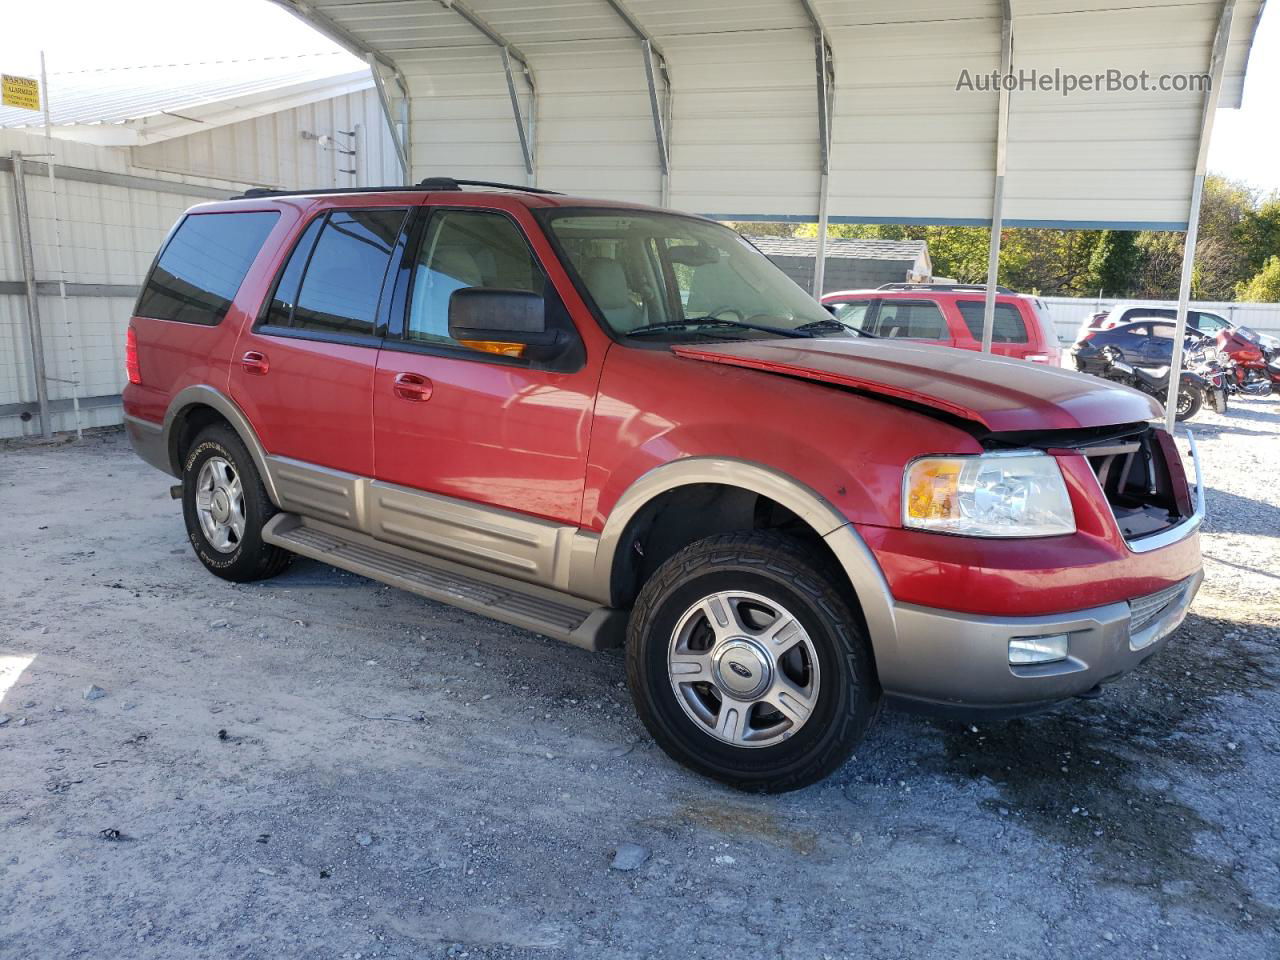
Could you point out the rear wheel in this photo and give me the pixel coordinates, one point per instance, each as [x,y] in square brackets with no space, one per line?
[225,507]
[747,663]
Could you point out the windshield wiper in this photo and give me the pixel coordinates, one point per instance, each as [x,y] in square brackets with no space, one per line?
[834,324]
[716,322]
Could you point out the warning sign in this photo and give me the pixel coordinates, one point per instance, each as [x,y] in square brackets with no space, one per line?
[22,92]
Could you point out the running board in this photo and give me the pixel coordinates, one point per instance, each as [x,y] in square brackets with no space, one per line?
[549,612]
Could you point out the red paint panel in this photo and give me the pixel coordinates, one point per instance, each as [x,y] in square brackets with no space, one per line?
[996,392]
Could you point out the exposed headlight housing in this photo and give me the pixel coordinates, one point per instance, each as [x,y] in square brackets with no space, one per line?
[1018,493]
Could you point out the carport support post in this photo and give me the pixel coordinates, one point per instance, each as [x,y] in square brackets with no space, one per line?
[1211,97]
[653,52]
[997,194]
[26,256]
[402,155]
[826,77]
[526,148]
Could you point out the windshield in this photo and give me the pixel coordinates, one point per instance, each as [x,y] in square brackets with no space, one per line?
[658,276]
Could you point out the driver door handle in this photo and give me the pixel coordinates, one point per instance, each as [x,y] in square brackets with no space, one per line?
[412,386]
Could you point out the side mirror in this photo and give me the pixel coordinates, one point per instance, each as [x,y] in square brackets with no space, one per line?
[510,323]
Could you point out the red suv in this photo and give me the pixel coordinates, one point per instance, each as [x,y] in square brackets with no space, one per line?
[951,314]
[612,424]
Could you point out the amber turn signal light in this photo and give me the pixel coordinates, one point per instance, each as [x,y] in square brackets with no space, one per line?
[499,347]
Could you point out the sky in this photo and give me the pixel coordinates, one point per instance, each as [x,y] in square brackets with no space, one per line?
[1245,144]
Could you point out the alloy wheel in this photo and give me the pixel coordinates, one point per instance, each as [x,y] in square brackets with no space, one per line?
[744,669]
[220,504]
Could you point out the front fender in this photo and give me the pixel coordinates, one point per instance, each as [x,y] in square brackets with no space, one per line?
[855,558]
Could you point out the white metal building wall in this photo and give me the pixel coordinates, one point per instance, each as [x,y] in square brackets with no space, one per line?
[906,146]
[270,150]
[109,236]
[606,118]
[461,116]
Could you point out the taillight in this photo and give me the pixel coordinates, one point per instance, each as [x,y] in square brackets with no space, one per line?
[131,357]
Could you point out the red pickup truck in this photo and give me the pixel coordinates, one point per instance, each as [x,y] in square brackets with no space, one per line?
[613,424]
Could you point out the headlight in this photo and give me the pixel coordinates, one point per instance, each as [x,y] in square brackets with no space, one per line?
[1016,494]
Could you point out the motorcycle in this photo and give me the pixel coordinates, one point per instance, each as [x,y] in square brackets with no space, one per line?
[1254,370]
[1194,389]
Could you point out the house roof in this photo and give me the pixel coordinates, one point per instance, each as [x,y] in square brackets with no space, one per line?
[906,251]
[146,98]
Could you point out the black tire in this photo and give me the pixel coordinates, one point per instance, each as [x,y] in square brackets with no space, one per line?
[783,570]
[251,558]
[1189,402]
[1219,400]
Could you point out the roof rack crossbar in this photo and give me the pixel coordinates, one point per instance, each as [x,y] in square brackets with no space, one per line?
[430,184]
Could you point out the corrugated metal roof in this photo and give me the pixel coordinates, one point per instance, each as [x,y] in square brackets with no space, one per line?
[119,94]
[907,251]
[909,142]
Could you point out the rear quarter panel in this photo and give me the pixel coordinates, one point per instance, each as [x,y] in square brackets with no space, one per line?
[173,356]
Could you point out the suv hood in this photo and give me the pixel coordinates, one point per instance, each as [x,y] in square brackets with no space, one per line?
[999,393]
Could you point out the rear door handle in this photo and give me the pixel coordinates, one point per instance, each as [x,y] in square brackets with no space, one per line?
[412,386]
[255,363]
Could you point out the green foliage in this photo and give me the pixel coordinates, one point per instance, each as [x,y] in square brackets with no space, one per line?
[1264,286]
[1113,265]
[1259,233]
[1239,238]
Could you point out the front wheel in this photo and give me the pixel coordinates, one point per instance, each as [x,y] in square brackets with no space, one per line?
[1189,402]
[747,663]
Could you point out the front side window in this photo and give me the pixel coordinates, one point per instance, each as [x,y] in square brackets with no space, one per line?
[202,266]
[1007,325]
[341,281]
[677,277]
[462,249]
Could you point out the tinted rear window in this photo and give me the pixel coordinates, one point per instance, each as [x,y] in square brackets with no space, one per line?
[202,266]
[1007,326]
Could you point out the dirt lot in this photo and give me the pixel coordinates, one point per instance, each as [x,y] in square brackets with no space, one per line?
[318,766]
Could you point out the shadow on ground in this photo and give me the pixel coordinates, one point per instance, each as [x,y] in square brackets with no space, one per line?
[1097,776]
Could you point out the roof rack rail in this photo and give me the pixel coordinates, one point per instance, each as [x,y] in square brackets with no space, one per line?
[975,287]
[429,184]
[450,183]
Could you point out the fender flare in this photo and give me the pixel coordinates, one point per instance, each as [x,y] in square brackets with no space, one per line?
[204,395]
[855,558]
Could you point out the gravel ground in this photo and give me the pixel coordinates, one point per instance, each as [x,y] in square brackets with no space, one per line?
[318,766]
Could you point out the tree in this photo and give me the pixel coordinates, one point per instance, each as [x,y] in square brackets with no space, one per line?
[1258,233]
[1238,235]
[1113,265]
[1264,286]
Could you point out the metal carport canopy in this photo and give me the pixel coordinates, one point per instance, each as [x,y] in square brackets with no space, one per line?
[729,94]
[826,110]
